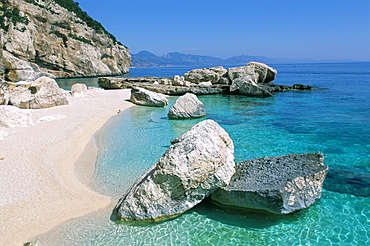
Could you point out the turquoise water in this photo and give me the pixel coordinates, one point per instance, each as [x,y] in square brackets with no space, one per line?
[334,120]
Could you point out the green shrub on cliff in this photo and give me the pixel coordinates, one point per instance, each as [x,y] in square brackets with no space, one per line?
[74,7]
[12,15]
[82,39]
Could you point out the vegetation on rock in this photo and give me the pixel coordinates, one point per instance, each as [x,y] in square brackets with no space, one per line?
[74,7]
[11,15]
[80,38]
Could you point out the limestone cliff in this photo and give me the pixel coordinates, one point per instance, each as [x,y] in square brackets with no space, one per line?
[39,37]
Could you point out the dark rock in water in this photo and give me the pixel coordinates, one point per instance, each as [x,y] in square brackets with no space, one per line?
[301,87]
[200,161]
[281,184]
[349,180]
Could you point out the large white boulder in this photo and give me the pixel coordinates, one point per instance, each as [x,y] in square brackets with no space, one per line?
[146,97]
[199,162]
[248,80]
[78,90]
[265,72]
[44,92]
[11,116]
[187,106]
[215,75]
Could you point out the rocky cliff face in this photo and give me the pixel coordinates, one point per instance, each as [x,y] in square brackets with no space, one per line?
[39,37]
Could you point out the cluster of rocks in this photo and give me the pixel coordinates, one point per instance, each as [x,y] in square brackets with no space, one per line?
[44,92]
[254,79]
[200,164]
[186,106]
[16,99]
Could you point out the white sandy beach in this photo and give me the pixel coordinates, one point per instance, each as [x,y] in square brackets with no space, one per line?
[44,168]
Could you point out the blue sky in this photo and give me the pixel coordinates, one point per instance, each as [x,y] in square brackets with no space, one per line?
[316,29]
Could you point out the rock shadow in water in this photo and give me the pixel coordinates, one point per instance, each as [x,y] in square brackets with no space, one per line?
[245,218]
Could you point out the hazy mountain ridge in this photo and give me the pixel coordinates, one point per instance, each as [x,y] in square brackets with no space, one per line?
[148,59]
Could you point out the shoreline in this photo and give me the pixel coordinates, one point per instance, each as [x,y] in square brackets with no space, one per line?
[46,167]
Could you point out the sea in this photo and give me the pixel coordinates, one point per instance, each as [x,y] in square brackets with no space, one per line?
[333,119]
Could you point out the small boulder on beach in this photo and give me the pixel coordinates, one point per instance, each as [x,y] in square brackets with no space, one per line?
[12,117]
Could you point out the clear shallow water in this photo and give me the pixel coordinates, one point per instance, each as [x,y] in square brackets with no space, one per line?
[335,121]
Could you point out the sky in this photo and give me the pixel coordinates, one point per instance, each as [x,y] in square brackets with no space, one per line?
[297,29]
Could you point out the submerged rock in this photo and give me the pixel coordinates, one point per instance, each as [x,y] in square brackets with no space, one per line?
[145,97]
[346,179]
[200,161]
[281,184]
[187,106]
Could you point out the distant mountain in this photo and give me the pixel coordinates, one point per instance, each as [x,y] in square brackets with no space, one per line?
[148,59]
[188,59]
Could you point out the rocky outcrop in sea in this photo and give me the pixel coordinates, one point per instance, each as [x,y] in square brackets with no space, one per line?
[280,184]
[254,79]
[55,38]
[200,164]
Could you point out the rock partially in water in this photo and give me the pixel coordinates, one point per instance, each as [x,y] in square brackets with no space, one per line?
[187,106]
[145,97]
[252,79]
[200,161]
[168,86]
[11,116]
[301,87]
[247,88]
[44,92]
[281,184]
[265,72]
[349,180]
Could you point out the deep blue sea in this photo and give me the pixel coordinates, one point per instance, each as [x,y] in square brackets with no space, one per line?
[335,120]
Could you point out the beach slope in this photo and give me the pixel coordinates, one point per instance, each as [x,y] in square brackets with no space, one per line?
[44,168]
